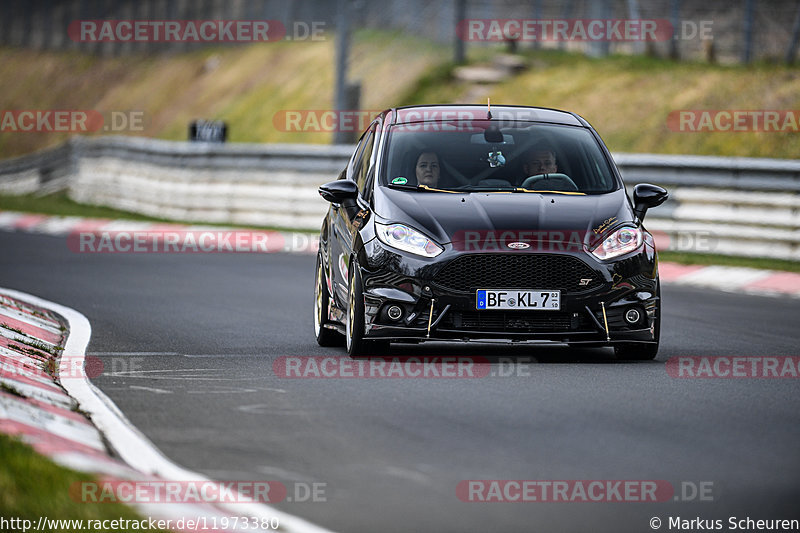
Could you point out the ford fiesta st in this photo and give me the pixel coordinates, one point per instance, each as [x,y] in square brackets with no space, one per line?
[476,222]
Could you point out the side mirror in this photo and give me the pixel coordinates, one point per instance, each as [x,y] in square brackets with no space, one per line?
[646,196]
[339,191]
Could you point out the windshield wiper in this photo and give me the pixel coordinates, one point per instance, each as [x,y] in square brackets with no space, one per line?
[419,188]
[488,188]
[520,189]
[406,187]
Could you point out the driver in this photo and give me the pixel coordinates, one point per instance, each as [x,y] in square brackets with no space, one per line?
[542,172]
[540,160]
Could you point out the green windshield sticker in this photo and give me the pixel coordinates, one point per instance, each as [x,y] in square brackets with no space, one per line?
[399,180]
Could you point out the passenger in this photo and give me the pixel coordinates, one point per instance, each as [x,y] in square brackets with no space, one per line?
[427,169]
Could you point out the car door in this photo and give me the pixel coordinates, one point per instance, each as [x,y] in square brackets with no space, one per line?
[345,223]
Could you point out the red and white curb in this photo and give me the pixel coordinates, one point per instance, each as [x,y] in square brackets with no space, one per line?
[98,235]
[71,421]
[730,279]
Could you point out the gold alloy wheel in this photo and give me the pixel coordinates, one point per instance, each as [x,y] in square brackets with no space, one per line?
[351,309]
[318,301]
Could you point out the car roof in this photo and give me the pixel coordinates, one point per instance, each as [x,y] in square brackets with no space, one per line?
[453,112]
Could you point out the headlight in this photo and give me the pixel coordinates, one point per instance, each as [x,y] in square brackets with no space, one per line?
[621,242]
[407,239]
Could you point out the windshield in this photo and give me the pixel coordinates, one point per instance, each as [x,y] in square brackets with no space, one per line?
[491,157]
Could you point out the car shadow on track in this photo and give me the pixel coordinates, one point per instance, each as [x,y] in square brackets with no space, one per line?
[500,353]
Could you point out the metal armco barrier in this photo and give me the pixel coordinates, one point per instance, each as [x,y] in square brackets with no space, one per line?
[725,205]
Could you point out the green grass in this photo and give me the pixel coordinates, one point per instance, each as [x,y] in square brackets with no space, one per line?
[60,204]
[33,343]
[247,86]
[437,76]
[11,328]
[32,486]
[10,389]
[627,98]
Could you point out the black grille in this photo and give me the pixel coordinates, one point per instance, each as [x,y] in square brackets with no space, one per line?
[525,271]
[513,321]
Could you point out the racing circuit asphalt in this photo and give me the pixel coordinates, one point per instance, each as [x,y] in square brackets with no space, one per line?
[188,343]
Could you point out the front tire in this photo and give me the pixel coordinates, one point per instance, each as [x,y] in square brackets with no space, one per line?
[325,336]
[357,345]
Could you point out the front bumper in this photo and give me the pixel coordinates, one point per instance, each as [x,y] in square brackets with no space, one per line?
[432,309]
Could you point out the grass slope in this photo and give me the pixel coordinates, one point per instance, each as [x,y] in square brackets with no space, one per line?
[245,86]
[626,98]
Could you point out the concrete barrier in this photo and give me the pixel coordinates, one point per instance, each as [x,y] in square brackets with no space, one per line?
[734,206]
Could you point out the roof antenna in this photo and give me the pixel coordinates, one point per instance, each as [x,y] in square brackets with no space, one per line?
[489,108]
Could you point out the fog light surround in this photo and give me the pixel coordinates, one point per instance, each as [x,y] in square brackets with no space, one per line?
[395,312]
[633,316]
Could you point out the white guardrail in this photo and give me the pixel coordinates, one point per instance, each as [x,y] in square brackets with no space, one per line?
[725,205]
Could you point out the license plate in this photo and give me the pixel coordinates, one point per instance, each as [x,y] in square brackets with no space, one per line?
[526,300]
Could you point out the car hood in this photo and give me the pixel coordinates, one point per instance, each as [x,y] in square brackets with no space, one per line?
[452,218]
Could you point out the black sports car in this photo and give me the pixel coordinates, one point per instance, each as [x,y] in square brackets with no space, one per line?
[471,222]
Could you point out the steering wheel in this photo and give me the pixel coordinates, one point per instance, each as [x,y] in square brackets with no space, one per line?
[565,182]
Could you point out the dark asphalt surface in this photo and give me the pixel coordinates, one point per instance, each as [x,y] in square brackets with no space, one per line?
[391,451]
